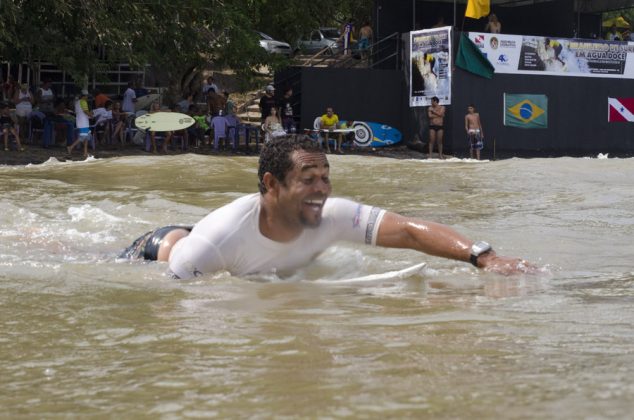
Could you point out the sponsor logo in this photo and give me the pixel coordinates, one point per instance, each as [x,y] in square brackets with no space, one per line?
[494,43]
[503,59]
[479,41]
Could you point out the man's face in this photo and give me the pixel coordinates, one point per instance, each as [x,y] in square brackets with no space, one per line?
[329,112]
[307,186]
[470,110]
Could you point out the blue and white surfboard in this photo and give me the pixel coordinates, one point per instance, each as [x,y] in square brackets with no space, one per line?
[374,134]
[370,134]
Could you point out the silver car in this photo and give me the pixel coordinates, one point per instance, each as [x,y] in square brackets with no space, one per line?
[273,46]
[319,39]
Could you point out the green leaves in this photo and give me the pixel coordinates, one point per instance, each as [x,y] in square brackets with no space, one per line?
[175,36]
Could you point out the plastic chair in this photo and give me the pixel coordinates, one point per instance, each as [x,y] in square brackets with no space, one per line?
[232,129]
[219,125]
[36,125]
[102,127]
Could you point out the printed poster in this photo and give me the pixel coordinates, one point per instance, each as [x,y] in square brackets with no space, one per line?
[430,66]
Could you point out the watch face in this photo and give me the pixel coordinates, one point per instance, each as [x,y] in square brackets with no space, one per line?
[480,247]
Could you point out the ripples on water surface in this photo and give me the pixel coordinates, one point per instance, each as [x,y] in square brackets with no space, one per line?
[83,335]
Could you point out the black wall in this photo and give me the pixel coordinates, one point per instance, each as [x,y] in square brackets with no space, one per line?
[577,110]
[355,94]
[577,115]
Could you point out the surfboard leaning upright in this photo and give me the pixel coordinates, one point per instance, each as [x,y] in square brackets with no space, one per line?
[164,121]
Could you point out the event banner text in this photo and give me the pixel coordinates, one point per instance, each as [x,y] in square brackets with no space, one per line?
[528,54]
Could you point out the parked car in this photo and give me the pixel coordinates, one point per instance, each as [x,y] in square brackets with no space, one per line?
[273,46]
[319,39]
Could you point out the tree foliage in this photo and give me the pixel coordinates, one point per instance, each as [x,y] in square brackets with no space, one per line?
[175,36]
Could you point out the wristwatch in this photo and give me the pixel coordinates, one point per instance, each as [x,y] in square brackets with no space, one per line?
[478,249]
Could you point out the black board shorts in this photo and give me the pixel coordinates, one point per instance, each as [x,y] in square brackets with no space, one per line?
[146,246]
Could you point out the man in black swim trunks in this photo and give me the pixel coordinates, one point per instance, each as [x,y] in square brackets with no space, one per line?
[156,244]
[436,114]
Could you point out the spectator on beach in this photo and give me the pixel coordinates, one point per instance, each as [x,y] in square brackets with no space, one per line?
[23,101]
[215,102]
[267,102]
[119,119]
[103,119]
[45,98]
[230,106]
[129,98]
[200,129]
[178,133]
[82,115]
[286,111]
[493,26]
[100,99]
[436,114]
[273,126]
[7,125]
[613,34]
[63,122]
[327,124]
[184,104]
[209,84]
[156,107]
[10,87]
[475,133]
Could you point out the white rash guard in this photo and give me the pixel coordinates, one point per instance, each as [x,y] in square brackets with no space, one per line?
[229,239]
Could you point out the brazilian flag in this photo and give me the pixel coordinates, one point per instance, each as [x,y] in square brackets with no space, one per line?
[525,111]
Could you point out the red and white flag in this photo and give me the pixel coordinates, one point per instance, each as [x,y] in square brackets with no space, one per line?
[620,109]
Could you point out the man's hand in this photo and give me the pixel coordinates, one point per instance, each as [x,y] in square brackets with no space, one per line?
[505,265]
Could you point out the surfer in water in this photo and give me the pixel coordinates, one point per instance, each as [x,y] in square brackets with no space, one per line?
[292,220]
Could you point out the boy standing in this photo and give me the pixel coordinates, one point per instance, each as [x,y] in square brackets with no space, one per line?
[474,130]
[83,116]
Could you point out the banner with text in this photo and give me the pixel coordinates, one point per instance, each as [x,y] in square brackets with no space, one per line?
[527,54]
[430,66]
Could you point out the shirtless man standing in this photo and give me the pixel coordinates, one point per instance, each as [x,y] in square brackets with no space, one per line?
[436,114]
[474,130]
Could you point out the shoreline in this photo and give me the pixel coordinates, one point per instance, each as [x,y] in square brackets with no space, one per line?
[35,155]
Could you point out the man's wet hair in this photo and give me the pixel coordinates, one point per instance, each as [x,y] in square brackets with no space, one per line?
[276,156]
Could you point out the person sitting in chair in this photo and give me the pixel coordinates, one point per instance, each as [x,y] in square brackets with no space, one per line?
[327,124]
[272,126]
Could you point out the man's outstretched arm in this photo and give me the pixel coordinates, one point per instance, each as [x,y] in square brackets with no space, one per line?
[436,239]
